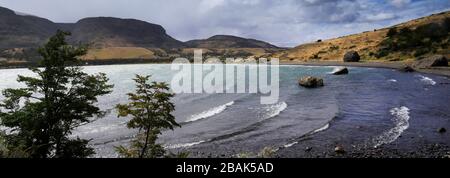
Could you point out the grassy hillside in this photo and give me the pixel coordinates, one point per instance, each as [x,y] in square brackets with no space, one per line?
[119,53]
[406,41]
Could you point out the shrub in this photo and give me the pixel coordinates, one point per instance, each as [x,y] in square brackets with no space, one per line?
[381,53]
[392,32]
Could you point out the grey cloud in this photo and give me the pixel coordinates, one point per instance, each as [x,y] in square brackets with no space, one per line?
[284,23]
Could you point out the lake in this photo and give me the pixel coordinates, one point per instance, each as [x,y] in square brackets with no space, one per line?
[385,98]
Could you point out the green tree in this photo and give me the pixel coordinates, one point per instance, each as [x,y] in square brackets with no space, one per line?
[150,108]
[42,115]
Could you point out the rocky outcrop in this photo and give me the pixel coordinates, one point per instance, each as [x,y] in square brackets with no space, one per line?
[432,61]
[351,56]
[406,69]
[310,82]
[340,71]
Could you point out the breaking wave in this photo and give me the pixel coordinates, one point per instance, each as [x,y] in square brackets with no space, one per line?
[325,127]
[392,80]
[275,109]
[401,122]
[290,144]
[183,145]
[427,80]
[270,111]
[210,112]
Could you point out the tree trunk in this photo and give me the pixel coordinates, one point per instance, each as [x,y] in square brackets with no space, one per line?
[144,149]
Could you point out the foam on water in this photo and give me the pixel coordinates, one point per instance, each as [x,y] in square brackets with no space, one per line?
[427,80]
[210,112]
[290,144]
[401,123]
[335,69]
[275,109]
[392,80]
[325,127]
[183,145]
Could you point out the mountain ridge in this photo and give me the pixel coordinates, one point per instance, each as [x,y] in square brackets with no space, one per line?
[228,41]
[108,32]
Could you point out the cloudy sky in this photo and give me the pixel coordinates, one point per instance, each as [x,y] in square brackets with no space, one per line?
[281,22]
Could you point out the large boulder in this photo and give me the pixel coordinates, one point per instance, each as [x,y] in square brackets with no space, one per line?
[351,56]
[340,71]
[310,82]
[432,61]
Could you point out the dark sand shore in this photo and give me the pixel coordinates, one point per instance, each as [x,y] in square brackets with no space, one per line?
[420,140]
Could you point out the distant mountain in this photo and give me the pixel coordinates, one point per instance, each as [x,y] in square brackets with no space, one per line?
[228,41]
[115,32]
[24,31]
[17,31]
[113,38]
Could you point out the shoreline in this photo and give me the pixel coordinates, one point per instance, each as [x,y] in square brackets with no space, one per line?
[369,64]
[387,65]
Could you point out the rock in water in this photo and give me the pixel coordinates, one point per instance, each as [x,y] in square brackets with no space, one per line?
[432,61]
[351,56]
[406,69]
[340,71]
[310,82]
[308,149]
[339,150]
[442,130]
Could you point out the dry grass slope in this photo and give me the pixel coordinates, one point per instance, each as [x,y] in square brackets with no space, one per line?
[366,44]
[119,53]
